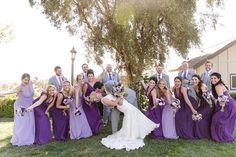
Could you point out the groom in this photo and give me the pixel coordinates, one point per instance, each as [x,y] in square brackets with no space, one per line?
[115,113]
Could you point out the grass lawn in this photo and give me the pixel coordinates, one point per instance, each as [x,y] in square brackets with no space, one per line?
[92,147]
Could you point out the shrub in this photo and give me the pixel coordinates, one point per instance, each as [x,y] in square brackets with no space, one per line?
[6,107]
[233,95]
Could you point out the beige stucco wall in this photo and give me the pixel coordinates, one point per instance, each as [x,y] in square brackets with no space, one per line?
[224,63]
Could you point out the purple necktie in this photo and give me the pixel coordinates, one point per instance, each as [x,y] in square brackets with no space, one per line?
[110,76]
[185,74]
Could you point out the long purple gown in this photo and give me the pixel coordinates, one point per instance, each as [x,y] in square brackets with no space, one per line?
[183,118]
[202,128]
[60,122]
[79,127]
[92,112]
[42,123]
[24,124]
[223,123]
[155,115]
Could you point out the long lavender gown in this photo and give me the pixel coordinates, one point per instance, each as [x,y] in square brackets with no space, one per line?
[168,122]
[79,127]
[42,123]
[155,115]
[183,118]
[60,122]
[202,128]
[223,123]
[24,125]
[92,112]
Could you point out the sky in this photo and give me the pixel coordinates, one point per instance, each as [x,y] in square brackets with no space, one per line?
[37,47]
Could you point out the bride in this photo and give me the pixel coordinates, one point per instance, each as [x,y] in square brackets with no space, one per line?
[135,124]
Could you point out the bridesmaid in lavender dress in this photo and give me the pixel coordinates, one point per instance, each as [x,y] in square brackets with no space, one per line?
[168,114]
[223,120]
[90,108]
[79,127]
[205,108]
[41,107]
[24,123]
[183,118]
[152,113]
[60,114]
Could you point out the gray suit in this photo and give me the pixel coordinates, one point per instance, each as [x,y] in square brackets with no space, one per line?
[164,77]
[115,113]
[115,78]
[205,77]
[53,81]
[188,76]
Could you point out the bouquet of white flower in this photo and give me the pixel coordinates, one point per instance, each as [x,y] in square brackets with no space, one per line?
[20,111]
[118,91]
[196,116]
[207,95]
[175,103]
[222,100]
[159,102]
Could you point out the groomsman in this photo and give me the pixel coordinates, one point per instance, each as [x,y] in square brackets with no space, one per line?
[160,75]
[114,112]
[58,79]
[85,70]
[186,74]
[108,76]
[205,76]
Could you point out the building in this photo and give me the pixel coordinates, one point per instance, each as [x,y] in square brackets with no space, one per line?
[224,62]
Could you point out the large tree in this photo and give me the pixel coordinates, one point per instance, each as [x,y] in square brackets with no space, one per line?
[138,33]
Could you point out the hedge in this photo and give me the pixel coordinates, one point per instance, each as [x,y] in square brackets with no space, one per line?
[6,107]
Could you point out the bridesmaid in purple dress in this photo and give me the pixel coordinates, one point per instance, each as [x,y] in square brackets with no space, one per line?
[168,113]
[223,120]
[79,127]
[90,108]
[60,114]
[41,107]
[183,118]
[24,123]
[205,108]
[152,113]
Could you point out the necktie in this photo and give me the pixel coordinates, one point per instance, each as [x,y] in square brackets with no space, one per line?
[185,74]
[110,78]
[159,76]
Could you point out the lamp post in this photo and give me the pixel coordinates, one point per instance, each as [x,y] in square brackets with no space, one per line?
[73,53]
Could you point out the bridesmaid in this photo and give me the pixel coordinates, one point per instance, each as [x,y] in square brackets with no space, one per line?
[152,113]
[90,108]
[205,107]
[41,107]
[183,118]
[79,127]
[60,114]
[168,115]
[223,120]
[24,123]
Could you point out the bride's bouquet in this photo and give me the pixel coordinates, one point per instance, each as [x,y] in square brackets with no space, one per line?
[222,100]
[118,91]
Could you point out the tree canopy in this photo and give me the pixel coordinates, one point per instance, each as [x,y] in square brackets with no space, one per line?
[138,33]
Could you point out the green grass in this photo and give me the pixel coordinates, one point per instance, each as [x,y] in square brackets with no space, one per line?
[92,147]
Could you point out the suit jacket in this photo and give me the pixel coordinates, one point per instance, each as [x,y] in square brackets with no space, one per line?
[131,97]
[190,73]
[53,81]
[85,77]
[164,77]
[115,77]
[205,77]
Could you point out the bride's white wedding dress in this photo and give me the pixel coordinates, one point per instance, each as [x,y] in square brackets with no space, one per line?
[135,127]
